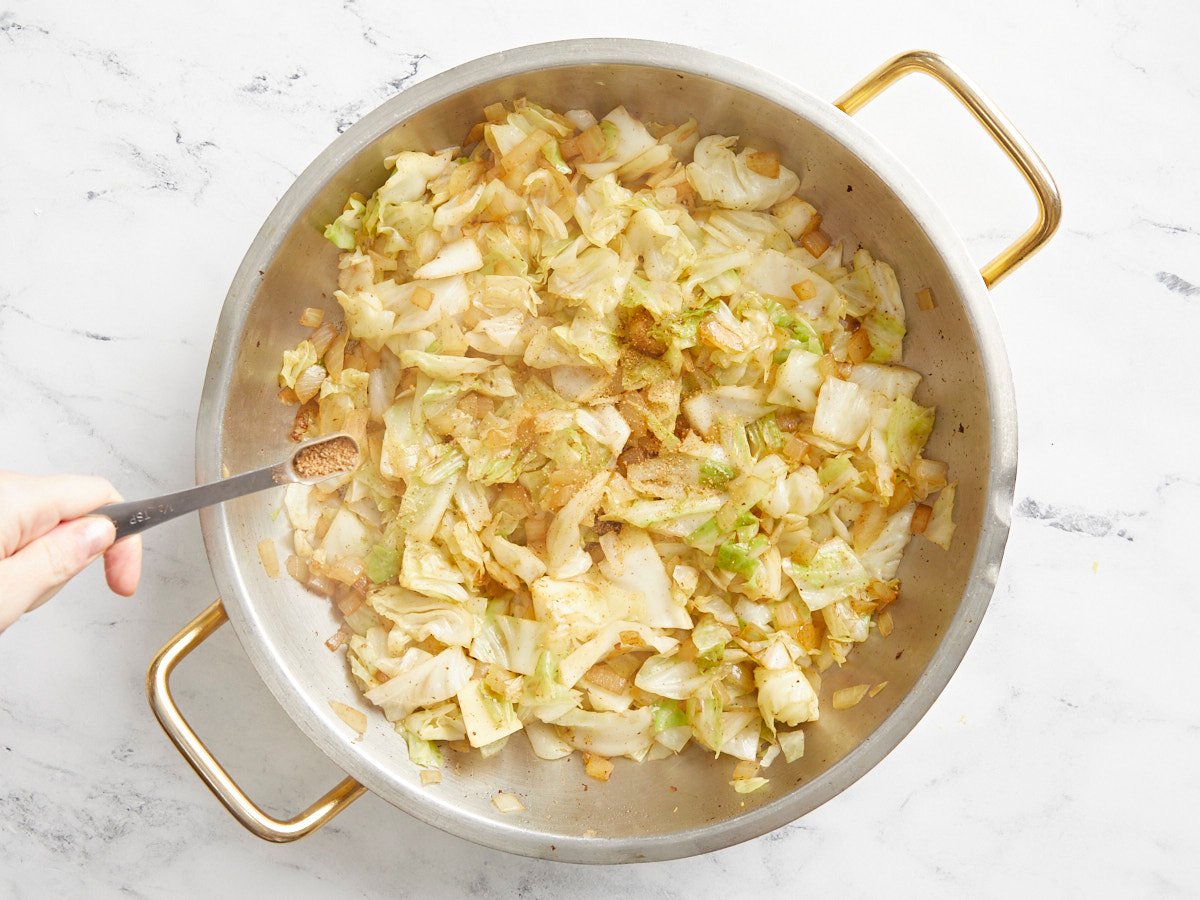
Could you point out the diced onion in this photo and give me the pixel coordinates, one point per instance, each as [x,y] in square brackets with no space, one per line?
[569,148]
[356,719]
[920,519]
[848,697]
[348,602]
[526,150]
[804,290]
[875,690]
[269,557]
[605,678]
[347,570]
[508,803]
[794,448]
[591,144]
[901,498]
[815,242]
[308,385]
[319,584]
[925,299]
[598,767]
[764,163]
[421,297]
[886,624]
[337,639]
[430,776]
[859,348]
[297,568]
[312,317]
[322,339]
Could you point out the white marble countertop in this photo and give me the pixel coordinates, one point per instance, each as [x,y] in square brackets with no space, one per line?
[144,144]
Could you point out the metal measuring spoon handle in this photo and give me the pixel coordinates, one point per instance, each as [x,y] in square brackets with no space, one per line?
[135,516]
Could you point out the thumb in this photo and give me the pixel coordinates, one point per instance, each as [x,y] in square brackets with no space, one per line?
[33,574]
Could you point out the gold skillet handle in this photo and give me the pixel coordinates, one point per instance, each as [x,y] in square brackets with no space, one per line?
[245,810]
[997,125]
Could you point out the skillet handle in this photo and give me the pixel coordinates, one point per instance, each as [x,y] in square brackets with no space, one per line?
[245,810]
[1045,191]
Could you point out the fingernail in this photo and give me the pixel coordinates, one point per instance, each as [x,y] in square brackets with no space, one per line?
[97,535]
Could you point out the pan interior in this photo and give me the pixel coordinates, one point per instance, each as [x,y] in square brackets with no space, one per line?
[284,628]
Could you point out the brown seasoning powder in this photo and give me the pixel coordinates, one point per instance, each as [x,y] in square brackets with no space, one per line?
[327,458]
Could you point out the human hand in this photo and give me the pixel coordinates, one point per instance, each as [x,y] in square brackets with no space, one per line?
[44,543]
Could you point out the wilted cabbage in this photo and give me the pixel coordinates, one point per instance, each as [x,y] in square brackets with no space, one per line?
[639,459]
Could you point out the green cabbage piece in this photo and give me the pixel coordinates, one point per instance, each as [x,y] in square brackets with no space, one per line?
[669,677]
[295,362]
[343,231]
[625,138]
[791,743]
[940,529]
[426,569]
[716,474]
[833,574]
[516,644]
[845,624]
[421,752]
[705,715]
[383,563]
[428,682]
[741,559]
[668,714]
[430,491]
[887,337]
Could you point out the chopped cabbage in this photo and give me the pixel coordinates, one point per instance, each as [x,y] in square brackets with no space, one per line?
[941,522]
[419,617]
[624,438]
[833,573]
[908,429]
[630,140]
[632,562]
[797,381]
[882,558]
[564,545]
[628,733]
[667,676]
[843,412]
[457,258]
[725,179]
[516,644]
[631,635]
[427,683]
[486,718]
[785,695]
